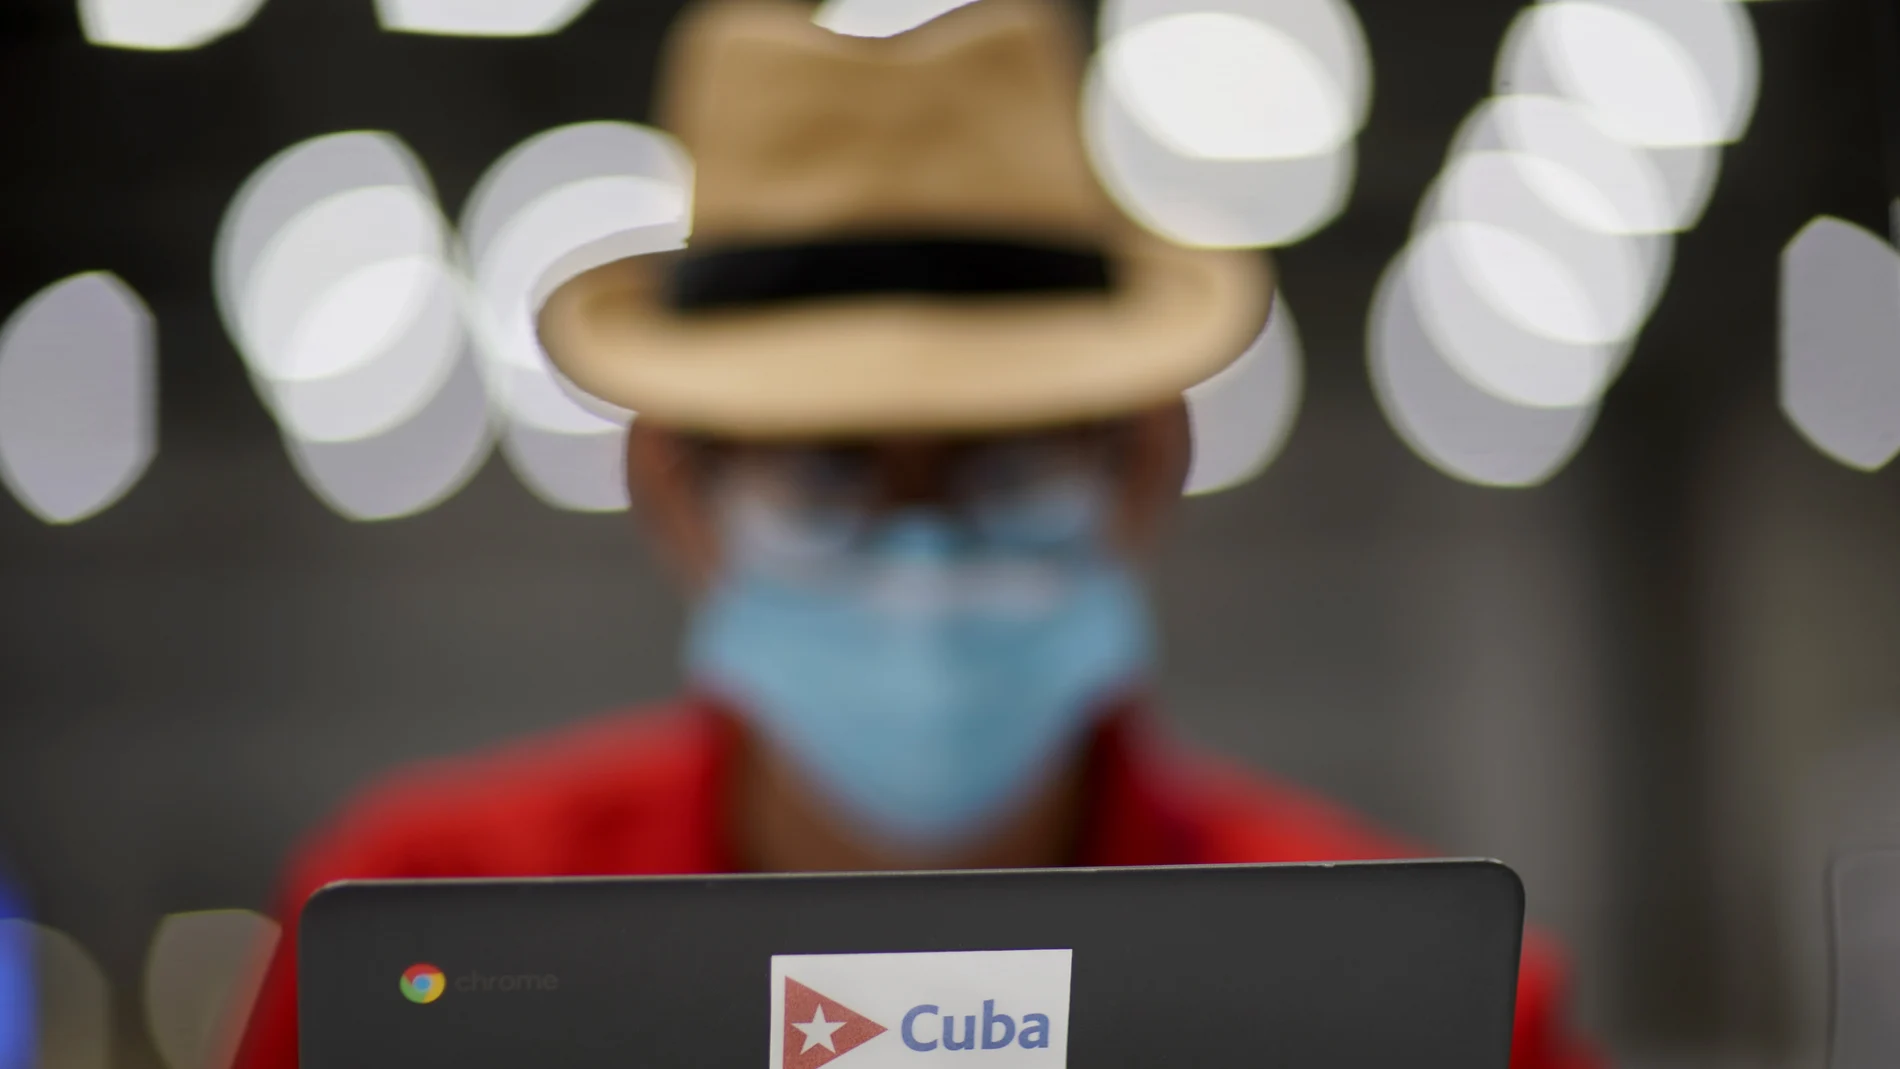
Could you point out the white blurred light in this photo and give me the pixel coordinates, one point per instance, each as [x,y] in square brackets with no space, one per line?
[1720,37]
[162,25]
[541,398]
[1218,86]
[202,974]
[335,283]
[1688,173]
[73,1004]
[1463,431]
[369,398]
[480,18]
[1326,31]
[1242,416]
[562,156]
[323,246]
[1494,352]
[410,468]
[1536,266]
[1840,342]
[78,397]
[1521,278]
[333,280]
[1228,123]
[1210,203]
[601,219]
[351,315]
[560,203]
[880,18]
[1646,85]
[1542,249]
[1593,179]
[563,202]
[287,186]
[357,317]
[573,472]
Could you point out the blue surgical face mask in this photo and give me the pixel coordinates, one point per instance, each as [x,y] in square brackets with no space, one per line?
[926,678]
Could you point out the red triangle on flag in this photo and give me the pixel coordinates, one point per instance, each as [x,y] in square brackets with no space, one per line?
[818,1029]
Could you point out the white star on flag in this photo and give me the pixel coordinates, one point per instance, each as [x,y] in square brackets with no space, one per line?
[818,1031]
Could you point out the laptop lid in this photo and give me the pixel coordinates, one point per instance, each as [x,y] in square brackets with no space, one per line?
[1366,964]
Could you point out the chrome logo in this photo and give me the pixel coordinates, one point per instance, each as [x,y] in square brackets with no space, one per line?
[422,983]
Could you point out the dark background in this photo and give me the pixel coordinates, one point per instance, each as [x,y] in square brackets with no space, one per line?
[1637,683]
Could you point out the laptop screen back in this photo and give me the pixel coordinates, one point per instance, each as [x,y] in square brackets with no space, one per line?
[1381,964]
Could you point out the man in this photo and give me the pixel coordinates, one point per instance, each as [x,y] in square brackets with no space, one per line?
[910,416]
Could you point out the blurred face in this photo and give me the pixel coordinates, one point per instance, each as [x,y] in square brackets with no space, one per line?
[920,629]
[1025,494]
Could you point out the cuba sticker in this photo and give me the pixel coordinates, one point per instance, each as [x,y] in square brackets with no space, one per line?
[971,1009]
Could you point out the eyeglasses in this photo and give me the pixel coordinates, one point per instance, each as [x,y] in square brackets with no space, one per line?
[1022,494]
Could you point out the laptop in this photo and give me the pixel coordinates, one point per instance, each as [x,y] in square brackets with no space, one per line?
[1378,964]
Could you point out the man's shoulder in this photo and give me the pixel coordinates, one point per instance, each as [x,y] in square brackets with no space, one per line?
[632,792]
[1234,815]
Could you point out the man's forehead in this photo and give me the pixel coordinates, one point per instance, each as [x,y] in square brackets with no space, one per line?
[912,442]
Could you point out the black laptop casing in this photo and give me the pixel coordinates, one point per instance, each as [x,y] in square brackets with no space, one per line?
[1375,965]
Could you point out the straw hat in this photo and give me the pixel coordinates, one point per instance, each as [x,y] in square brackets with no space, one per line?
[897,234]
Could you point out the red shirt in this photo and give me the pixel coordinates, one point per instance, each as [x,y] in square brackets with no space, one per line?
[639,795]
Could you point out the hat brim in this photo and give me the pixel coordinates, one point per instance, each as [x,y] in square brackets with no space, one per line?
[867,365]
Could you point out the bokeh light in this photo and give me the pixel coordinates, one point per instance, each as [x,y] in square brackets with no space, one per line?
[410,468]
[1544,245]
[1241,417]
[1568,159]
[1840,342]
[880,18]
[202,974]
[162,25]
[572,472]
[1326,31]
[560,203]
[1228,123]
[1606,284]
[1688,172]
[1211,85]
[480,18]
[1464,431]
[1526,303]
[352,314]
[1210,203]
[72,1002]
[1656,72]
[334,277]
[1463,274]
[78,397]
